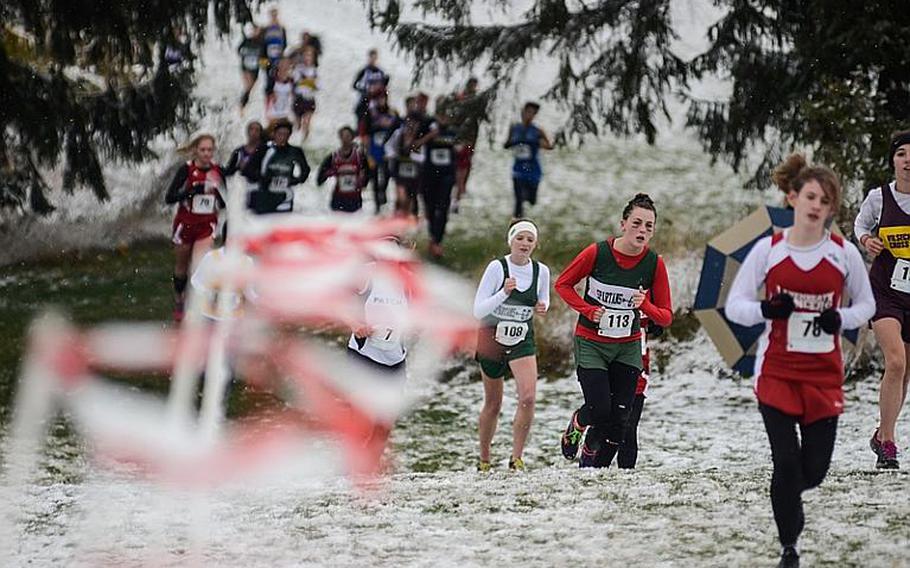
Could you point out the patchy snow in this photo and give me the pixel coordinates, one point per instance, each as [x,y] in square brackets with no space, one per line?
[698,497]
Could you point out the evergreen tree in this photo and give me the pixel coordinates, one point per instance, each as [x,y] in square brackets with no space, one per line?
[82,80]
[831,76]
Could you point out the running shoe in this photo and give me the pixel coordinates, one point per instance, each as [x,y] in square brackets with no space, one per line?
[887,458]
[571,438]
[789,558]
[588,457]
[875,444]
[483,466]
[516,464]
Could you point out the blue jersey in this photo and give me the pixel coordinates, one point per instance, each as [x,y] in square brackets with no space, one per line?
[274,41]
[525,144]
[380,125]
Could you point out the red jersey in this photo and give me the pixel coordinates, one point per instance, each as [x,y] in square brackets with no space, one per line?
[200,208]
[350,173]
[796,349]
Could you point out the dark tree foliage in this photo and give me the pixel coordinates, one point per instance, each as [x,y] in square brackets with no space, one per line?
[87,80]
[831,76]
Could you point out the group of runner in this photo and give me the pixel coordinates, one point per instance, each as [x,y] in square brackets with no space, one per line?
[804,275]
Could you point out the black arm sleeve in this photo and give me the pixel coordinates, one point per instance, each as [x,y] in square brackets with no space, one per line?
[356,86]
[300,158]
[323,174]
[231,167]
[176,192]
[253,168]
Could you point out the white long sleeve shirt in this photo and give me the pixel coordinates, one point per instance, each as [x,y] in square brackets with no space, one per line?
[871,210]
[490,294]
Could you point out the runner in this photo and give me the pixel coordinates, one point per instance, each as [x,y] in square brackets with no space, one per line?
[378,340]
[799,372]
[404,167]
[438,175]
[279,103]
[375,129]
[241,155]
[369,83]
[307,83]
[277,168]
[888,209]
[250,51]
[197,190]
[622,278]
[274,42]
[526,140]
[349,167]
[470,110]
[512,290]
[627,452]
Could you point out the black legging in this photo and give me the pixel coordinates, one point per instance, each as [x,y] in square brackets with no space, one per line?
[437,196]
[608,402]
[628,449]
[379,176]
[800,463]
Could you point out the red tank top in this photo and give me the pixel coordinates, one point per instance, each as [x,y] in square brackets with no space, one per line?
[796,349]
[201,208]
[350,173]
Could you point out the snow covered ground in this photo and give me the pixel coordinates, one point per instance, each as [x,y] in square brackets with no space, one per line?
[698,497]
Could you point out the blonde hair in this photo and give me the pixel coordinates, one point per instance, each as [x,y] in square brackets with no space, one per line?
[795,171]
[189,148]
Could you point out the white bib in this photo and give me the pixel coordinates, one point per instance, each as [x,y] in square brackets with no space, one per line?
[203,204]
[521,152]
[251,62]
[513,312]
[347,183]
[900,277]
[441,156]
[407,170]
[805,335]
[616,323]
[379,138]
[610,296]
[511,333]
[385,338]
[279,184]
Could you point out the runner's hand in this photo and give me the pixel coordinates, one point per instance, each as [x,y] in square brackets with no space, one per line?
[540,308]
[597,314]
[509,285]
[780,306]
[638,297]
[874,246]
[363,331]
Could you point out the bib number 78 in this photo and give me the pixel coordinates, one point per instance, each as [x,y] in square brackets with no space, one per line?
[805,335]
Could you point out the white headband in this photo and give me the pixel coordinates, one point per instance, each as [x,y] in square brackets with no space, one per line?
[519,227]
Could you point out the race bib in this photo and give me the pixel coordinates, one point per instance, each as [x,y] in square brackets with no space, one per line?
[347,183]
[379,138]
[279,184]
[510,333]
[441,157]
[251,62]
[900,277]
[616,323]
[521,152]
[407,170]
[805,335]
[274,51]
[203,204]
[386,339]
[513,312]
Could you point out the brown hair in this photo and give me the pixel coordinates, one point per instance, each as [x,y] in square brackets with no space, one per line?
[642,200]
[795,171]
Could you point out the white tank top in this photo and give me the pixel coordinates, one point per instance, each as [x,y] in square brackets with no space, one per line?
[385,310]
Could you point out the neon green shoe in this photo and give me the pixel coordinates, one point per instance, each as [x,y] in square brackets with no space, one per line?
[484,466]
[571,438]
[516,464]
